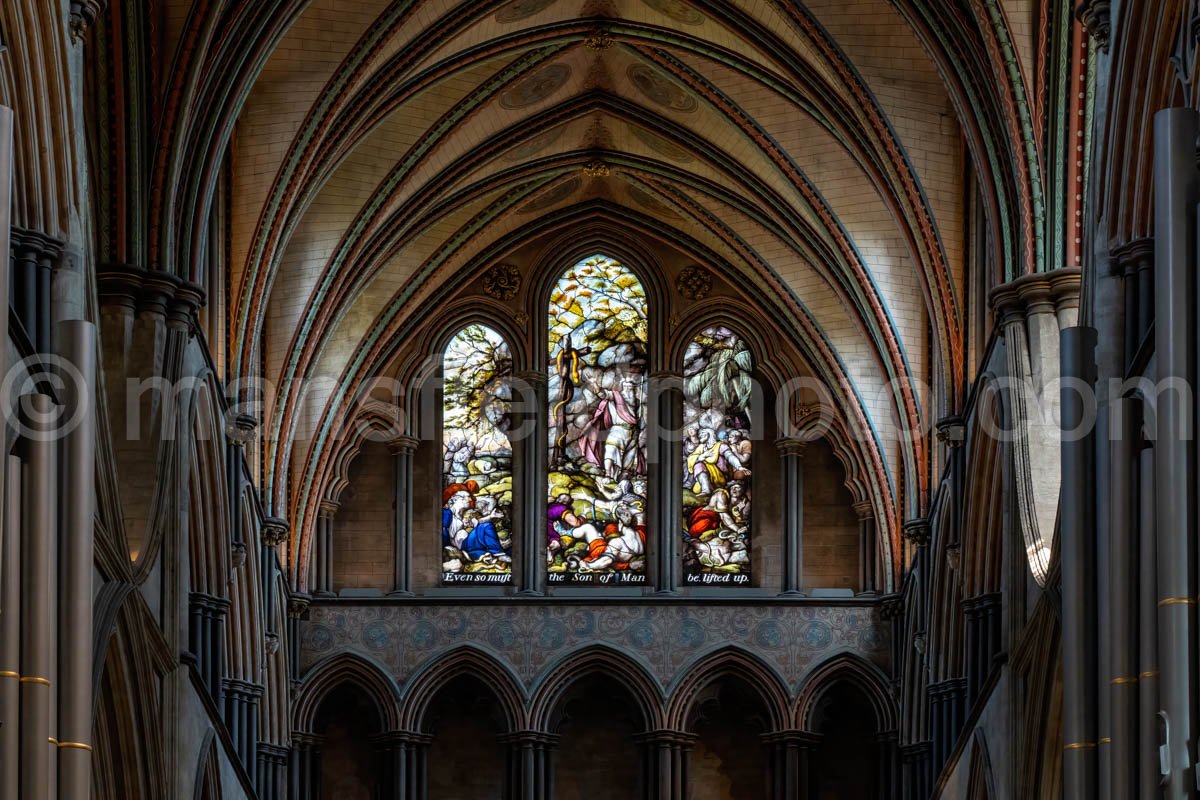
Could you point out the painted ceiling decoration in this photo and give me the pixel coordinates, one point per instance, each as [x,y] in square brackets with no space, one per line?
[808,154]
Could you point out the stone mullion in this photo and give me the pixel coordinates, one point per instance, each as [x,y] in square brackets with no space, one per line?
[791,453]
[402,449]
[530,453]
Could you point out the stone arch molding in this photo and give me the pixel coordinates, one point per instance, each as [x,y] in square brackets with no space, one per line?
[1031,311]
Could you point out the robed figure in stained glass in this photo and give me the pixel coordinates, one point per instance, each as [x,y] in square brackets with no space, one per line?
[476,459]
[717,450]
[598,333]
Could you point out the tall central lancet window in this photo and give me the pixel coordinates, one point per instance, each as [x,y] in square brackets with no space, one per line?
[717,446]
[598,349]
[477,459]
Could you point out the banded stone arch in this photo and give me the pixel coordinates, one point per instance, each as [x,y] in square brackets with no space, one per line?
[735,664]
[848,668]
[352,669]
[559,676]
[423,686]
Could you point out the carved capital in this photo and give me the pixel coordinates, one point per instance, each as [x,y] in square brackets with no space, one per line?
[681,739]
[275,531]
[865,510]
[298,605]
[1133,256]
[791,447]
[1041,292]
[952,431]
[804,740]
[82,14]
[328,509]
[403,445]
[153,292]
[916,531]
[891,607]
[1096,16]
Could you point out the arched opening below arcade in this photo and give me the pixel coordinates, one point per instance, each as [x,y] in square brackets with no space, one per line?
[846,766]
[467,758]
[597,755]
[350,766]
[729,760]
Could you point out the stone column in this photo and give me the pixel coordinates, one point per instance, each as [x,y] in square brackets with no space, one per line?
[530,765]
[37,625]
[791,454]
[666,461]
[206,639]
[1175,196]
[403,764]
[530,454]
[78,503]
[271,777]
[236,437]
[916,533]
[666,762]
[320,555]
[402,449]
[241,718]
[792,764]
[887,776]
[868,549]
[304,773]
[274,534]
[297,608]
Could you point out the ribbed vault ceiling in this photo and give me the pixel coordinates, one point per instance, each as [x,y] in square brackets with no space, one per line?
[809,151]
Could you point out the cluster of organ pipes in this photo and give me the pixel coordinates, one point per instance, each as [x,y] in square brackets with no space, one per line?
[1130,557]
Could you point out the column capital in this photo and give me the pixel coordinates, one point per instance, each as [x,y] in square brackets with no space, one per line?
[305,740]
[1132,256]
[275,531]
[298,605]
[916,531]
[891,607]
[667,737]
[952,431]
[328,509]
[241,430]
[791,447]
[806,740]
[403,445]
[531,738]
[1096,16]
[865,510]
[399,739]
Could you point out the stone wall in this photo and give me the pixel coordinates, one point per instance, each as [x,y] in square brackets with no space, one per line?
[363,531]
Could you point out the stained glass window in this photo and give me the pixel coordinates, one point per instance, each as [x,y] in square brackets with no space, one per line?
[596,512]
[477,486]
[717,450]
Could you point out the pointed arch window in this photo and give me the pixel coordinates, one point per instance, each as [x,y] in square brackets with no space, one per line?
[717,454]
[598,338]
[477,458]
